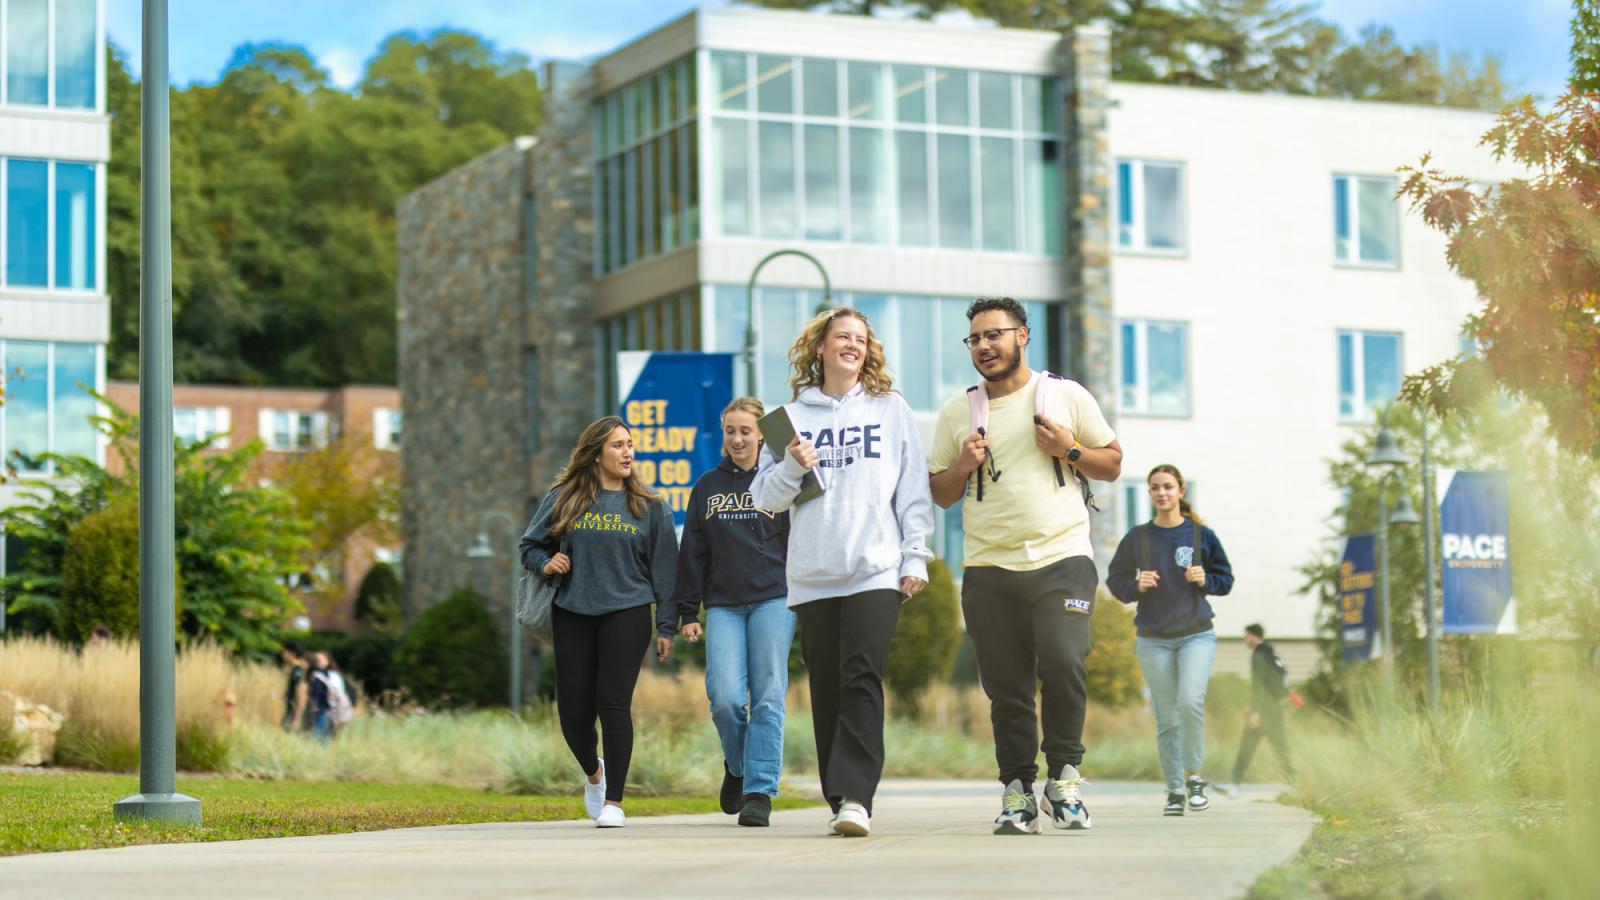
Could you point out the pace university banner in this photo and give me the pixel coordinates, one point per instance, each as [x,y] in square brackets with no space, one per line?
[1475,537]
[1358,607]
[673,403]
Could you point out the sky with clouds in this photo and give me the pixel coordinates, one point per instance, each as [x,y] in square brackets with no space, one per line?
[1530,36]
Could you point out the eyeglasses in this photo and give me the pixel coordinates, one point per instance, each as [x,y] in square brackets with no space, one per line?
[974,340]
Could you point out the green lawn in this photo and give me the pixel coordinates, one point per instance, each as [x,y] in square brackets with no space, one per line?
[47,812]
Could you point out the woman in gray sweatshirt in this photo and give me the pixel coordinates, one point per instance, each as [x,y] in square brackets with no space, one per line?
[610,540]
[855,552]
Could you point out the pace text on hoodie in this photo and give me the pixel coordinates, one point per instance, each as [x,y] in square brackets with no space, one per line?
[871,525]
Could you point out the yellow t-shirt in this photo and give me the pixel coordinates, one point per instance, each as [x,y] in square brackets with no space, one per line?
[1025,520]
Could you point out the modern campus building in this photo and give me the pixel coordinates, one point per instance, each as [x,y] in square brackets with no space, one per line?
[1228,273]
[55,315]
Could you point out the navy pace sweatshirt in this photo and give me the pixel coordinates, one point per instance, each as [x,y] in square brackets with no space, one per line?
[733,553]
[1175,608]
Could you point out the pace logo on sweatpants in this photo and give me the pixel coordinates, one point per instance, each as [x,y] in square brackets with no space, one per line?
[1077,606]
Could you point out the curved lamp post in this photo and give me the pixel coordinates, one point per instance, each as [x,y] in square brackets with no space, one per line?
[750,309]
[1387,456]
[482,548]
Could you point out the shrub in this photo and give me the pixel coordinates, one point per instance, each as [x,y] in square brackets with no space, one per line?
[369,661]
[452,655]
[1113,677]
[378,601]
[926,640]
[100,575]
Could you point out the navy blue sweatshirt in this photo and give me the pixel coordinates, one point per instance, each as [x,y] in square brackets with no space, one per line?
[732,552]
[1175,608]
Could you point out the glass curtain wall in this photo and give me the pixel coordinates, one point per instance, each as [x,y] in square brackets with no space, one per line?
[917,156]
[646,195]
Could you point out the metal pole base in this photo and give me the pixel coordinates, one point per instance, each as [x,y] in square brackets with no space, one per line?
[175,809]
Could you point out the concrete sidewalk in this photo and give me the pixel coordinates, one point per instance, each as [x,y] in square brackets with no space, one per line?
[929,838]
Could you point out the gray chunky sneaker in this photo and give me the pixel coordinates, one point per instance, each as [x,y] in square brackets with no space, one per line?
[1061,801]
[1019,811]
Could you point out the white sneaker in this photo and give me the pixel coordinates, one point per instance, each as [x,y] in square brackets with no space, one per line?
[594,795]
[833,824]
[852,820]
[610,817]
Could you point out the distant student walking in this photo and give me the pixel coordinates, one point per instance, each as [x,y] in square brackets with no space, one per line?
[855,552]
[610,539]
[1169,566]
[1269,695]
[732,562]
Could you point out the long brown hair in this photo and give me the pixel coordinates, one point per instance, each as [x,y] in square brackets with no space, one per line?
[805,357]
[579,483]
[745,405]
[1184,508]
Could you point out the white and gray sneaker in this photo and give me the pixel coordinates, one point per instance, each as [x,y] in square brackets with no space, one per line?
[852,820]
[594,795]
[1061,801]
[1197,793]
[610,817]
[1019,811]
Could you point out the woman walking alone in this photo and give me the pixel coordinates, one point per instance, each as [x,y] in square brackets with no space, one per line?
[1169,566]
[731,562]
[610,539]
[855,552]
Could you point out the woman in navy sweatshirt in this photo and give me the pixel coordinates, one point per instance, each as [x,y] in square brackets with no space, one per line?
[1169,566]
[731,562]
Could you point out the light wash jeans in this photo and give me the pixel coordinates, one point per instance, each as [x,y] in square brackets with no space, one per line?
[747,664]
[1177,670]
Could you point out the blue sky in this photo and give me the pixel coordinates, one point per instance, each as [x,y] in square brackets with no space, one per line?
[1530,35]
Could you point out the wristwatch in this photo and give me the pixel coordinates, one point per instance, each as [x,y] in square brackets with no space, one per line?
[1075,452]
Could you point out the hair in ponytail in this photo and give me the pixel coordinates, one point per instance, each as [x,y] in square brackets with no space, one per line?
[1183,504]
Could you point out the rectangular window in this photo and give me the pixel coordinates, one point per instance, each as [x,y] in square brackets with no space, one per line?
[386,428]
[865,87]
[1150,206]
[951,96]
[75,231]
[776,169]
[869,186]
[823,221]
[910,94]
[49,407]
[955,190]
[193,424]
[774,84]
[1041,197]
[998,186]
[1366,221]
[666,181]
[1135,508]
[1370,370]
[994,101]
[915,214]
[27,223]
[28,52]
[293,431]
[820,82]
[730,81]
[76,53]
[1154,366]
[691,183]
[27,408]
[73,375]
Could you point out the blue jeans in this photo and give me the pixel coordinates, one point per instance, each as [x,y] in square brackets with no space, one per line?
[747,664]
[1177,670]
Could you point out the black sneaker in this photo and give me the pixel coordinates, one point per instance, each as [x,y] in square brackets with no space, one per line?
[1197,793]
[1019,811]
[757,811]
[732,797]
[1174,805]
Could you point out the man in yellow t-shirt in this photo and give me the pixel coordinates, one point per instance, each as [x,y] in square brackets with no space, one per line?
[1030,579]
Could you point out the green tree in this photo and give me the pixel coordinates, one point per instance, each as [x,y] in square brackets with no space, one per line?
[100,574]
[1113,677]
[235,543]
[344,489]
[926,640]
[378,602]
[452,656]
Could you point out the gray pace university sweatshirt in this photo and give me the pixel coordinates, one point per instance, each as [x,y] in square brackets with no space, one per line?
[871,526]
[618,561]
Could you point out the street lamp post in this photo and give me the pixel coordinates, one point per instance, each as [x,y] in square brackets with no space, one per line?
[483,549]
[1428,605]
[750,338]
[158,799]
[1387,456]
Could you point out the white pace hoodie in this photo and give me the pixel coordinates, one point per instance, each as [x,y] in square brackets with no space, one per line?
[871,526]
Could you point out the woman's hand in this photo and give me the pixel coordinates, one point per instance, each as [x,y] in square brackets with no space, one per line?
[909,586]
[1148,579]
[804,452]
[560,564]
[691,632]
[663,649]
[1195,575]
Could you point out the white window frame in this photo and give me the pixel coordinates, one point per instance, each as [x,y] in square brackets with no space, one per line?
[1138,238]
[210,421]
[1360,413]
[269,419]
[1141,389]
[388,427]
[1352,213]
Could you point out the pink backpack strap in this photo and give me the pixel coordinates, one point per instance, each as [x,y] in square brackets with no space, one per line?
[1047,387]
[978,408]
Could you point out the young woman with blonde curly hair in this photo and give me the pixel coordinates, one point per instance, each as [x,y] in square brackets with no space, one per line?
[610,539]
[857,551]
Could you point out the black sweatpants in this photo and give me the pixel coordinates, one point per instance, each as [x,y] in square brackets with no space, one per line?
[1032,629]
[1272,729]
[845,642]
[597,666]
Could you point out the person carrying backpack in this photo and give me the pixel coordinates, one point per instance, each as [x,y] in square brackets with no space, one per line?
[1269,694]
[1169,566]
[1030,579]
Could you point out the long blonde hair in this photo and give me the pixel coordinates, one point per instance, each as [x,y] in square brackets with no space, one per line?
[745,405]
[579,483]
[805,357]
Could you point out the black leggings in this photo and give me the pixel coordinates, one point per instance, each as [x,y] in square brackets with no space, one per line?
[597,665]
